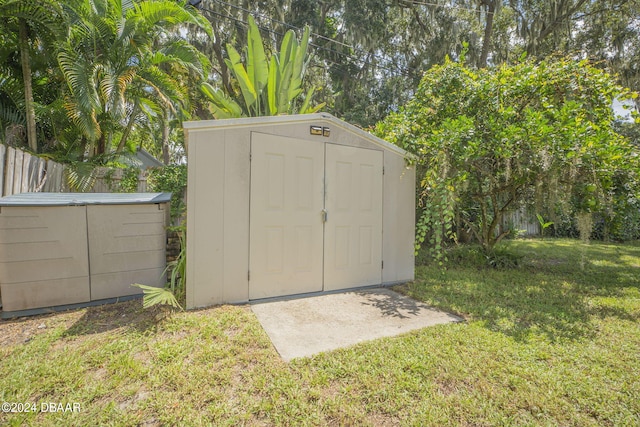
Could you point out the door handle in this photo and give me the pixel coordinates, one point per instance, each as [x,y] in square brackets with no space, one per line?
[324,215]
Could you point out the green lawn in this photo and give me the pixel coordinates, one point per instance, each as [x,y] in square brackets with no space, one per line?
[555,341]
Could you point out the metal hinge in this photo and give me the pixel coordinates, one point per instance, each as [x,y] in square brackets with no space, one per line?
[382,264]
[250,156]
[383,170]
[248,276]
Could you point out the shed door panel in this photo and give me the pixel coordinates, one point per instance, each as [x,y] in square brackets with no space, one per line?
[353,231]
[286,232]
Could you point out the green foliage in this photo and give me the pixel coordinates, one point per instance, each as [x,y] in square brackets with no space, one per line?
[123,61]
[472,256]
[157,296]
[175,290]
[368,56]
[28,78]
[129,180]
[81,175]
[178,269]
[543,224]
[171,179]
[490,140]
[266,86]
[502,258]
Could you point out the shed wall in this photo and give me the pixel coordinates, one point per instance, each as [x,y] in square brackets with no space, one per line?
[218,214]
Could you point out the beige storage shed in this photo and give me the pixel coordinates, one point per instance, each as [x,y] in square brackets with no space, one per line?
[64,250]
[291,205]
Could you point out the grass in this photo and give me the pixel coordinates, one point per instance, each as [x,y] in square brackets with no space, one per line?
[555,341]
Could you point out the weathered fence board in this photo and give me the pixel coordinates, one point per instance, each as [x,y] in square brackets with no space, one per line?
[40,174]
[57,177]
[48,184]
[23,172]
[33,170]
[17,172]
[24,183]
[523,221]
[8,175]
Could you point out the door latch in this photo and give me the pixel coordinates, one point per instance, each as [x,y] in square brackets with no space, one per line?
[324,215]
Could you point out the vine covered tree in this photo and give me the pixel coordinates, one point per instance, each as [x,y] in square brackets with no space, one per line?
[489,140]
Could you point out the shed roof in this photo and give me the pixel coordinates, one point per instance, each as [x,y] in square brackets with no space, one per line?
[286,119]
[146,160]
[79,199]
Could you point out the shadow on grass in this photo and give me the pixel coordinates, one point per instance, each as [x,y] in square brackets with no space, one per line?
[559,301]
[127,315]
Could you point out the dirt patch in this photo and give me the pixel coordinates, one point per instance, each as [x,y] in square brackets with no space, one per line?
[382,420]
[90,320]
[24,329]
[449,386]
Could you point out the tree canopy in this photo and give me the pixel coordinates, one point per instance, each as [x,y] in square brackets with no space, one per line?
[144,60]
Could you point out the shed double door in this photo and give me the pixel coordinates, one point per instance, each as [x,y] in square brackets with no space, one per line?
[315,216]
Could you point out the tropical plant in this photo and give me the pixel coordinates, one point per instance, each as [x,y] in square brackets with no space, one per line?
[488,140]
[81,174]
[266,86]
[31,28]
[543,224]
[121,61]
[157,296]
[174,291]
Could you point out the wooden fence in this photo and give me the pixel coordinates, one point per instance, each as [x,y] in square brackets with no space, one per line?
[522,221]
[21,172]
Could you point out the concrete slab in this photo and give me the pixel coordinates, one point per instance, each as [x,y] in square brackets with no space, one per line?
[302,327]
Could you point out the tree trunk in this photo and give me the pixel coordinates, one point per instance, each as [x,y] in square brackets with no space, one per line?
[127,130]
[165,141]
[488,33]
[102,144]
[224,71]
[83,148]
[28,89]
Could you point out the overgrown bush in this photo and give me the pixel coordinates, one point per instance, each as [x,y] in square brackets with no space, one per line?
[487,141]
[173,179]
[474,256]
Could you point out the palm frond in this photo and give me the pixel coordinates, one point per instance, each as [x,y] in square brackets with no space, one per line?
[157,296]
[185,55]
[45,14]
[81,176]
[167,13]
[169,91]
[9,114]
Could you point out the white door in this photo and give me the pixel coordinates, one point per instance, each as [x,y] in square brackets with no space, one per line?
[286,229]
[353,228]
